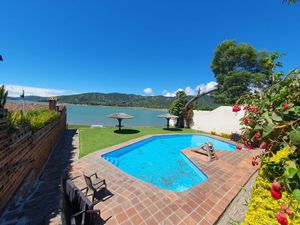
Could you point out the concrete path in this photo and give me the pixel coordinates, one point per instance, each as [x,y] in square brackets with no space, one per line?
[42,204]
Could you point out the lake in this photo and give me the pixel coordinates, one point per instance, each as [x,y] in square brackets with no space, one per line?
[85,114]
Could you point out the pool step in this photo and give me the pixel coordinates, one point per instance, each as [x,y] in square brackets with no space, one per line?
[112,160]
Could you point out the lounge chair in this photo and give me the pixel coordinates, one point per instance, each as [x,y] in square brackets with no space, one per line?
[208,150]
[94,184]
[78,209]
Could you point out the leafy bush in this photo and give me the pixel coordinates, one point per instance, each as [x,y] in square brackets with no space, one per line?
[225,135]
[272,122]
[35,119]
[213,132]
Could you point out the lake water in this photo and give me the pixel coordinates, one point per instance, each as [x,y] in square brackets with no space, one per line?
[81,114]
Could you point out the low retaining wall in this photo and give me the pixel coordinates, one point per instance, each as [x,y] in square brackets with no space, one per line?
[23,155]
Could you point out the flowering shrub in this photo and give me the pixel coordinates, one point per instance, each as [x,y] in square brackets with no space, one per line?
[272,123]
[35,119]
[263,208]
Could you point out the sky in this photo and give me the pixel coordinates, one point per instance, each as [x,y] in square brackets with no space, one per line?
[149,47]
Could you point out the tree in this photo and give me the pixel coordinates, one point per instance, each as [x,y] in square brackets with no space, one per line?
[178,107]
[3,96]
[290,2]
[240,69]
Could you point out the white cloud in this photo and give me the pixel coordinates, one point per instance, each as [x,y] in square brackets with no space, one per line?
[207,87]
[148,91]
[192,91]
[16,91]
[189,91]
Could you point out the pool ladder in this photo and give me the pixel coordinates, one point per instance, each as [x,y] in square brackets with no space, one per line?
[112,160]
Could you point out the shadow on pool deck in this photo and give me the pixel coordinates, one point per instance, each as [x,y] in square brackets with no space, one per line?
[42,204]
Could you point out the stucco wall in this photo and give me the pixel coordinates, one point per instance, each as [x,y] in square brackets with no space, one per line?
[220,120]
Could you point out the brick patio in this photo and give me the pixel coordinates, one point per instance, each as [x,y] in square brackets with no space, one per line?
[136,202]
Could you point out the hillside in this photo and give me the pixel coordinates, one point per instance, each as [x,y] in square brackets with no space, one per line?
[124,100]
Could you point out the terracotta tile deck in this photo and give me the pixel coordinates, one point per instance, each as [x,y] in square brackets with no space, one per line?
[136,202]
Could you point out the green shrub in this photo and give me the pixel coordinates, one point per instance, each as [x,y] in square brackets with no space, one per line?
[35,119]
[225,135]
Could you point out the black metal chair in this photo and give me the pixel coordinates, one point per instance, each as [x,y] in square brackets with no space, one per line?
[94,184]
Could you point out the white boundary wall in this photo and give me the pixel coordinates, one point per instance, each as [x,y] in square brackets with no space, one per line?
[222,119]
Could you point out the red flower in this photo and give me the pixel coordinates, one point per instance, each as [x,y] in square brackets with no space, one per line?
[254,110]
[238,147]
[276,185]
[246,107]
[236,108]
[286,106]
[281,218]
[257,136]
[276,194]
[245,120]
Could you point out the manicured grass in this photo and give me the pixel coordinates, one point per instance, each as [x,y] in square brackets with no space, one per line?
[94,139]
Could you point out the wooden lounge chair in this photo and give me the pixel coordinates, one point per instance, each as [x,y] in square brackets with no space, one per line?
[78,209]
[208,150]
[94,184]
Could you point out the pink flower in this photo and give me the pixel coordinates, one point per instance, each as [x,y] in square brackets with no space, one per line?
[256,136]
[286,106]
[276,194]
[276,186]
[236,108]
[288,211]
[238,147]
[245,120]
[281,218]
[246,107]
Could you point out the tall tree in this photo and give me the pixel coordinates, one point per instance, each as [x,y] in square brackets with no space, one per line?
[178,107]
[240,68]
[290,1]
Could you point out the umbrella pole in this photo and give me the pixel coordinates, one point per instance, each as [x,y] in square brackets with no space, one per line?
[168,123]
[120,120]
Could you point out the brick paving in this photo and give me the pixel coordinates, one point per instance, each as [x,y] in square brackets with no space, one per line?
[42,204]
[134,201]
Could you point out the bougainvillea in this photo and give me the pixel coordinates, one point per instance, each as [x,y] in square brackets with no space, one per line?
[272,123]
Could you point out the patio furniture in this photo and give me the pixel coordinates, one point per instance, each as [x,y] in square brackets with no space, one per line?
[120,117]
[78,209]
[94,184]
[208,150]
[168,116]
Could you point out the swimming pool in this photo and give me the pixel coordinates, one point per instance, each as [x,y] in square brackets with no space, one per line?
[158,160]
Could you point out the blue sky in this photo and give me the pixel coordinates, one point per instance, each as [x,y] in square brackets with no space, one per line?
[130,45]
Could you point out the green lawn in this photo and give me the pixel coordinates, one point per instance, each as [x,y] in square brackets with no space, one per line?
[94,139]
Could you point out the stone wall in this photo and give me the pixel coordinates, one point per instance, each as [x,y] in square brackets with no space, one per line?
[23,155]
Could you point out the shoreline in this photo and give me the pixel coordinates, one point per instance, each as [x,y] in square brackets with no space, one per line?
[108,106]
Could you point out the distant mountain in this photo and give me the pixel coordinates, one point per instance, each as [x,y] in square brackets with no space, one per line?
[118,99]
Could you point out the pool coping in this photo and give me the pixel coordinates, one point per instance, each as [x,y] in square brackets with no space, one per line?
[133,141]
[232,165]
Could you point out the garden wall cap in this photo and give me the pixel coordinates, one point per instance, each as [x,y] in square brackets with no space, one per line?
[52,99]
[119,116]
[168,116]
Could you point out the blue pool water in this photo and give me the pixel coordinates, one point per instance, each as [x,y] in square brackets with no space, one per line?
[158,160]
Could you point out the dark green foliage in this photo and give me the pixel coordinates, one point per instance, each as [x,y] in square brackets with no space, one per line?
[178,107]
[3,96]
[274,170]
[240,68]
